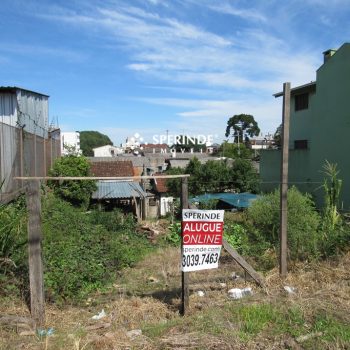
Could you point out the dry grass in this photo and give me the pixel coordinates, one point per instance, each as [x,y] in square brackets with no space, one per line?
[149,296]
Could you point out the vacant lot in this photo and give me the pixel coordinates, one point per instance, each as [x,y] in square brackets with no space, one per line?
[142,311]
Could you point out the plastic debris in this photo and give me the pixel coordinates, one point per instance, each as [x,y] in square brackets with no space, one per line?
[152,279]
[289,290]
[100,315]
[45,333]
[200,293]
[134,333]
[306,337]
[27,334]
[235,276]
[237,293]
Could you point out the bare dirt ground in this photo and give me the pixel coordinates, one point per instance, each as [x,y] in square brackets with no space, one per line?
[142,311]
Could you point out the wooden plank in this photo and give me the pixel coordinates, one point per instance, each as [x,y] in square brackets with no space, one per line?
[37,301]
[185,293]
[131,178]
[284,179]
[137,209]
[243,263]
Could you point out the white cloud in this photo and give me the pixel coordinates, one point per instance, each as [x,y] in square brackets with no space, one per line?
[250,62]
[36,50]
[138,66]
[228,9]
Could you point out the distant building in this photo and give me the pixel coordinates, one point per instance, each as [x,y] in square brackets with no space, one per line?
[107,151]
[70,141]
[214,148]
[261,142]
[155,148]
[131,145]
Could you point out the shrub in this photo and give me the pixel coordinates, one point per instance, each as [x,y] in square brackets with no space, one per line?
[173,235]
[236,235]
[76,192]
[13,252]
[303,222]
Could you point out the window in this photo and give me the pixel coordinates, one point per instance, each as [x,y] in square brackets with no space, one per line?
[300,144]
[301,101]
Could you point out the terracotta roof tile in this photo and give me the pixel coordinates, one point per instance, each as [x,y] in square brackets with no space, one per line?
[160,184]
[112,168]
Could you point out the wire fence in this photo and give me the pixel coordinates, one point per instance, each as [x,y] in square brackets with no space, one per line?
[24,154]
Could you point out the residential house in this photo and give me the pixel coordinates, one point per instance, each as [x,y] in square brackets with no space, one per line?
[163,202]
[319,130]
[212,149]
[107,151]
[155,148]
[123,193]
[261,142]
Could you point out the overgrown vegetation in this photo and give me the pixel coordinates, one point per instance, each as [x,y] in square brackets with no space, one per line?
[13,247]
[84,250]
[76,192]
[311,234]
[264,218]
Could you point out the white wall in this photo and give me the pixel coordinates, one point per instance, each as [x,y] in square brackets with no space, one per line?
[107,151]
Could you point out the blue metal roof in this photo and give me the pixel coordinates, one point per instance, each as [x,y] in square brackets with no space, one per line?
[237,200]
[118,189]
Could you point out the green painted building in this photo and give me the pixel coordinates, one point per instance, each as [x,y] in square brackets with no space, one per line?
[319,130]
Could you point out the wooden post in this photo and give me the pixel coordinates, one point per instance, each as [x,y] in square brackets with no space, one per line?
[284,179]
[35,170]
[37,300]
[185,295]
[21,153]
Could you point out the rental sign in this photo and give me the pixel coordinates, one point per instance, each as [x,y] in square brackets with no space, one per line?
[201,239]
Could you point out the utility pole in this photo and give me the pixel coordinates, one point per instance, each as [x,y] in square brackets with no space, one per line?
[284,179]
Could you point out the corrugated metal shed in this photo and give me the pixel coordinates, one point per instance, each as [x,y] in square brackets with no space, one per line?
[237,200]
[118,189]
[24,108]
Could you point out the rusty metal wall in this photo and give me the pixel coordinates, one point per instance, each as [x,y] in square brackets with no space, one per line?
[24,154]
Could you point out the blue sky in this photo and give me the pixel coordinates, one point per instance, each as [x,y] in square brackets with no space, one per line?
[147,66]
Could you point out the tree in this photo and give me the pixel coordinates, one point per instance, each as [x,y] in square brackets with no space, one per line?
[233,150]
[245,176]
[242,125]
[92,139]
[174,185]
[75,192]
[277,137]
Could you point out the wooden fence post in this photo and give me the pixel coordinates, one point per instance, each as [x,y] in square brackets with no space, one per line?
[185,295]
[284,179]
[36,280]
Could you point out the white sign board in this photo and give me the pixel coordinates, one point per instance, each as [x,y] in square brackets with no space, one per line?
[201,239]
